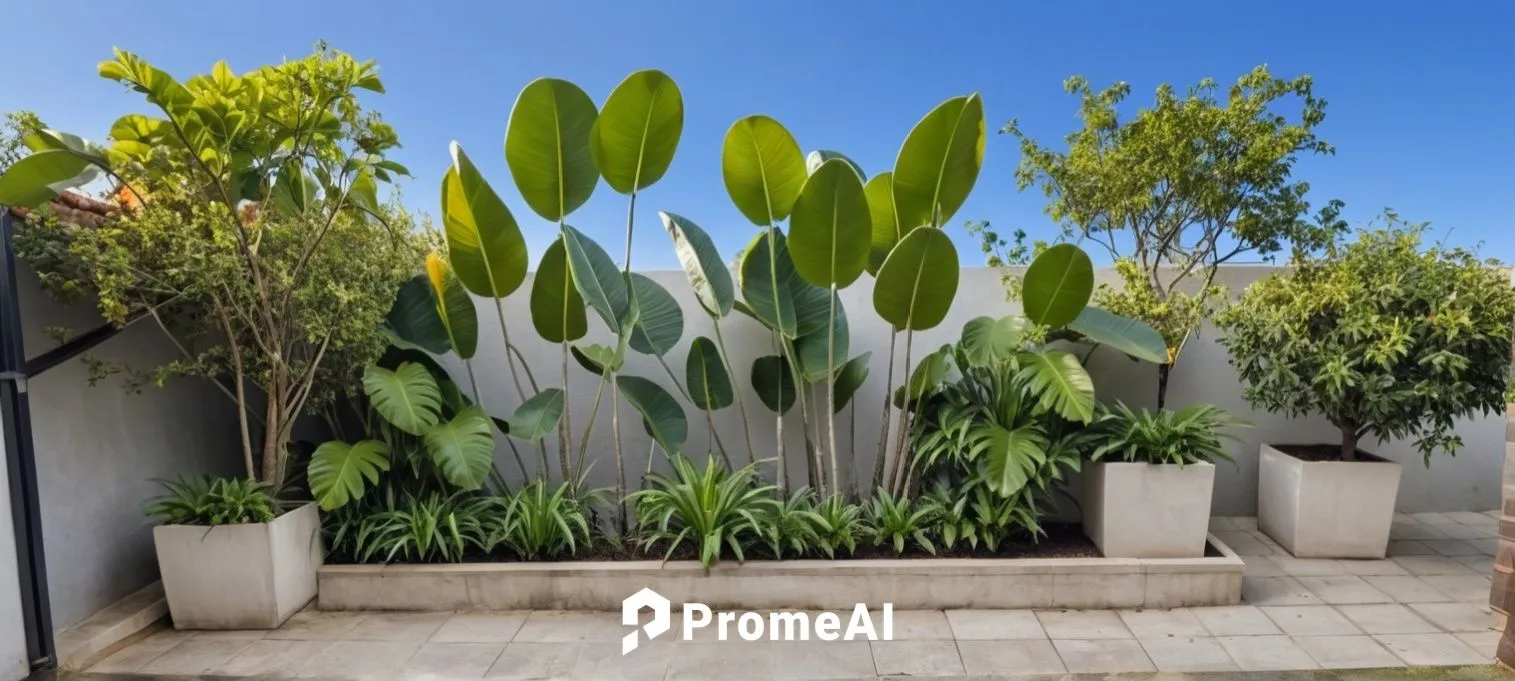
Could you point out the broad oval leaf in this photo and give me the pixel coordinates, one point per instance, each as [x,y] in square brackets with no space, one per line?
[463,448]
[339,473]
[766,270]
[547,147]
[811,348]
[596,358]
[635,137]
[918,281]
[708,275]
[37,178]
[1057,285]
[557,309]
[414,318]
[454,307]
[484,242]
[763,168]
[885,227]
[407,397]
[538,416]
[850,378]
[1010,456]
[709,385]
[661,414]
[1131,336]
[830,228]
[1058,383]
[926,377]
[597,279]
[660,321]
[939,163]
[773,382]
[815,159]
[987,340]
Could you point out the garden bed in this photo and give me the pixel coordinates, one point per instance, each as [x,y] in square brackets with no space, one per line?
[908,583]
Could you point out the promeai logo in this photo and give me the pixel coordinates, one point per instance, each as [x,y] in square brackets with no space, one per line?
[752,626]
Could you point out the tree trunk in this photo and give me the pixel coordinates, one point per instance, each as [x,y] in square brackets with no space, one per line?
[273,443]
[1348,441]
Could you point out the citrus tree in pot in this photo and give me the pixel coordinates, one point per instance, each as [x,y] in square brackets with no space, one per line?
[1386,341]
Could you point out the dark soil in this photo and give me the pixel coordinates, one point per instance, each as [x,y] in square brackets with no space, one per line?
[1315,453]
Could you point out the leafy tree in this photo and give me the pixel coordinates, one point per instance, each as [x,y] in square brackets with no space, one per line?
[1181,188]
[18,125]
[251,230]
[1382,338]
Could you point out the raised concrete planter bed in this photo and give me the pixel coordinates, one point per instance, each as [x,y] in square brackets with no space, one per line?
[909,584]
[1326,509]
[1143,510]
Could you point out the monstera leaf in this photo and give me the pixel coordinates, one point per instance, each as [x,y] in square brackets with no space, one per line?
[407,397]
[340,473]
[987,340]
[1010,456]
[463,448]
[1059,383]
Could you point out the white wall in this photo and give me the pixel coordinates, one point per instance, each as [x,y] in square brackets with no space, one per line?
[13,662]
[1467,482]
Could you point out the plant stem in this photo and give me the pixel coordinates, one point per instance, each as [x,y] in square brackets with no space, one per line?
[565,427]
[836,481]
[499,308]
[800,387]
[883,433]
[620,464]
[736,386]
[781,466]
[901,456]
[599,391]
[479,400]
[685,393]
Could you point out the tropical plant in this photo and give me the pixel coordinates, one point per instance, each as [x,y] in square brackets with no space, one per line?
[206,500]
[719,512]
[950,514]
[541,522]
[1382,338]
[427,528]
[899,522]
[1190,435]
[839,524]
[790,528]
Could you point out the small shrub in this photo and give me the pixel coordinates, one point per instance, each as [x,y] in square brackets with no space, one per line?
[898,522]
[540,523]
[203,500]
[790,526]
[718,512]
[1190,435]
[431,528]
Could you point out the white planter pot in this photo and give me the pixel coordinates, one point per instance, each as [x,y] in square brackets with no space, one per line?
[1326,509]
[251,576]
[1142,510]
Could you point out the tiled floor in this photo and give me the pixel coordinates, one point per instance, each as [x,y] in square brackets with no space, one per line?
[1425,605]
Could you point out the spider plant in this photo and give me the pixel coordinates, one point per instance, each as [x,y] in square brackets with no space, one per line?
[1190,435]
[541,522]
[838,525]
[790,526]
[949,513]
[425,529]
[715,510]
[203,500]
[897,520]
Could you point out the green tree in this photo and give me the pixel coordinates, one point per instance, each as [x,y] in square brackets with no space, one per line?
[1182,187]
[18,125]
[1383,339]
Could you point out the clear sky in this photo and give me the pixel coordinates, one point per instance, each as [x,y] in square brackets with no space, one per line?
[1420,93]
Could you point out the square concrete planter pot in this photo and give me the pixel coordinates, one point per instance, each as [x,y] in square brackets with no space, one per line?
[1326,509]
[1143,510]
[251,576]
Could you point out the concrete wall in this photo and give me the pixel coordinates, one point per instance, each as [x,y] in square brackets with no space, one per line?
[98,448]
[1467,482]
[13,662]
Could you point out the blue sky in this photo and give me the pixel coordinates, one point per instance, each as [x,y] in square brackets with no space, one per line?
[1420,96]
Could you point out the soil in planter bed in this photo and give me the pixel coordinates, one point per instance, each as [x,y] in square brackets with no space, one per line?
[1316,453]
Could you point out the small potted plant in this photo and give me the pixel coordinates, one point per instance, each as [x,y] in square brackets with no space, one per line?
[1384,340]
[1147,491]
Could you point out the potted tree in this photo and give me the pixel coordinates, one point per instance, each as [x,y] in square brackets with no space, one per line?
[1384,340]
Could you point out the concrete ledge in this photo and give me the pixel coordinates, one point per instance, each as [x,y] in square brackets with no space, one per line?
[910,584]
[111,629]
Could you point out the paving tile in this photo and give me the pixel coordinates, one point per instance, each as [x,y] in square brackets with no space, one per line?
[1103,656]
[412,627]
[1347,652]
[458,660]
[1406,519]
[1159,623]
[1433,519]
[1431,649]
[272,658]
[479,627]
[1488,545]
[1415,531]
[1387,619]
[1343,590]
[924,625]
[1248,523]
[1261,566]
[1373,568]
[604,661]
[1235,620]
[536,661]
[136,656]
[1458,617]
[359,660]
[1244,544]
[1467,588]
[1275,591]
[1407,589]
[916,658]
[1187,654]
[237,634]
[195,656]
[1431,565]
[1221,523]
[1266,653]
[317,625]
[1082,624]
[824,659]
[1408,547]
[1470,531]
[1310,620]
[979,625]
[1469,518]
[1483,564]
[1028,656]
[553,626]
[1484,642]
[1452,547]
[1309,567]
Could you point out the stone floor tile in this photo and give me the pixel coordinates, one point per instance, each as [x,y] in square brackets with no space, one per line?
[1387,619]
[1468,588]
[1470,531]
[1266,653]
[1408,547]
[1482,563]
[1431,565]
[604,661]
[1452,547]
[1084,656]
[1235,620]
[412,627]
[923,625]
[195,656]
[1310,620]
[1415,531]
[238,634]
[1248,523]
[1433,519]
[1244,544]
[1474,518]
[1496,514]
[824,659]
[554,626]
[272,658]
[916,658]
[1407,589]
[1343,590]
[136,656]
[1484,642]
[1028,656]
[1222,523]
[1431,649]
[457,660]
[1261,566]
[536,661]
[359,660]
[1347,652]
[317,625]
[980,625]
[1275,591]
[1373,568]
[480,627]
[1159,623]
[1187,654]
[1406,519]
[1309,567]
[1082,624]
[1458,617]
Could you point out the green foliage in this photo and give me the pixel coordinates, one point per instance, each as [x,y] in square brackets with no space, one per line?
[715,511]
[708,276]
[1380,337]
[340,473]
[838,525]
[661,414]
[1190,435]
[547,147]
[463,448]
[1057,286]
[538,415]
[710,386]
[918,281]
[204,500]
[829,230]
[763,168]
[484,244]
[407,397]
[939,163]
[16,127]
[539,522]
[454,308]
[899,522]
[634,139]
[789,529]
[409,528]
[773,383]
[660,321]
[557,309]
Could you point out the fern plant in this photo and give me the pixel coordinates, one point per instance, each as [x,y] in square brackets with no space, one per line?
[716,511]
[204,500]
[1193,434]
